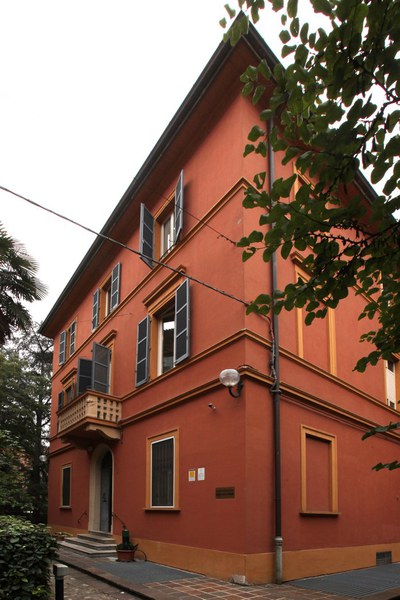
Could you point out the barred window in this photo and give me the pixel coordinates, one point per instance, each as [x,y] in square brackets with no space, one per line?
[162,473]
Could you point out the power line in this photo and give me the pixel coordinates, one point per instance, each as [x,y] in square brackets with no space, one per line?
[185,210]
[124,246]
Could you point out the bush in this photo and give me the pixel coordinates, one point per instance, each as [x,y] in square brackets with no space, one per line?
[25,554]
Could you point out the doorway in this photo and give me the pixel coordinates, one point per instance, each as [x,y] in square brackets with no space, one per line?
[105,495]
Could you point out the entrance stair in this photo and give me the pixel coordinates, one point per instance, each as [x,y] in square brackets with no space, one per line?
[93,543]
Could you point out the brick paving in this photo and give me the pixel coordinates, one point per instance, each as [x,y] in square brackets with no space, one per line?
[86,581]
[81,586]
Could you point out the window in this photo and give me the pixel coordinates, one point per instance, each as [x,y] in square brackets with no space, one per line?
[320,334]
[167,234]
[67,343]
[158,236]
[392,376]
[168,330]
[165,336]
[319,487]
[68,393]
[66,486]
[106,298]
[162,477]
[94,374]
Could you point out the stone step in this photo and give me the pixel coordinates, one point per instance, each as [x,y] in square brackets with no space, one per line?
[88,551]
[96,538]
[91,543]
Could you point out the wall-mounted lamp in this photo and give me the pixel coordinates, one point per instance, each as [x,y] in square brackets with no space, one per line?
[231,378]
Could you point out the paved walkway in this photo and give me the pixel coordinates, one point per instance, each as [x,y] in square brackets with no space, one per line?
[103,579]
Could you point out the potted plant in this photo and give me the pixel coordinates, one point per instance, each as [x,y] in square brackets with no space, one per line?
[126,550]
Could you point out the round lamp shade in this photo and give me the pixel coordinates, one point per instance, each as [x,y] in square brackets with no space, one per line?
[229,377]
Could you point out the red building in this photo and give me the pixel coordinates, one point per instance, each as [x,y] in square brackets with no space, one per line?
[272,483]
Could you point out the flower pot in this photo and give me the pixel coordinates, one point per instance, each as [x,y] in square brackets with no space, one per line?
[125,555]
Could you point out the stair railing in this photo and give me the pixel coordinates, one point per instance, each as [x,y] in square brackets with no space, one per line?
[83,515]
[115,516]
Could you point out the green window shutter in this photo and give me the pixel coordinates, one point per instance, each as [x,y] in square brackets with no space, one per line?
[142,351]
[178,220]
[84,375]
[96,309]
[72,338]
[146,236]
[101,368]
[62,348]
[182,322]
[115,284]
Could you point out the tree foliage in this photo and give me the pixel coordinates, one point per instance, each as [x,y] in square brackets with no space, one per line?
[25,395]
[26,552]
[333,110]
[18,285]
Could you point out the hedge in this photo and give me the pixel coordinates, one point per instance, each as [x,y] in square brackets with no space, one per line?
[25,554]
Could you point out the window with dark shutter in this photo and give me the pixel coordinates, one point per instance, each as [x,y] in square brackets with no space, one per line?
[62,348]
[60,399]
[162,473]
[182,322]
[96,309]
[84,375]
[142,351]
[146,236]
[101,368]
[115,279]
[178,217]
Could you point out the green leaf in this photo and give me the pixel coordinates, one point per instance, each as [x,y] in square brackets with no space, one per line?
[283,187]
[309,318]
[247,89]
[231,11]
[284,36]
[286,249]
[258,93]
[266,114]
[295,27]
[286,50]
[322,6]
[249,148]
[304,33]
[292,8]
[255,237]
[379,171]
[264,69]
[255,133]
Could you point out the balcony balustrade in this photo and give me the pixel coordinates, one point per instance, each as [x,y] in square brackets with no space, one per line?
[89,418]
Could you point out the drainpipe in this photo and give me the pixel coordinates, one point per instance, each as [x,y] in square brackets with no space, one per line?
[276,393]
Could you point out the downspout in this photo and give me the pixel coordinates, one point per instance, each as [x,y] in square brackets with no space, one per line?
[276,393]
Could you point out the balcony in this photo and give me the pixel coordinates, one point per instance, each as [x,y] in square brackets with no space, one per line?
[90,418]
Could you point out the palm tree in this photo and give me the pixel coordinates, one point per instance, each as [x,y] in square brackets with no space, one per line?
[18,285]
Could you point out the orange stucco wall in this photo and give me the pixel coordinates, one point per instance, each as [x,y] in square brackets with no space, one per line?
[233,441]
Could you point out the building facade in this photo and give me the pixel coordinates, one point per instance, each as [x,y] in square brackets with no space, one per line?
[143,432]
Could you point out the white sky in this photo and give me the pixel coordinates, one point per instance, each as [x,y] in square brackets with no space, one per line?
[86,89]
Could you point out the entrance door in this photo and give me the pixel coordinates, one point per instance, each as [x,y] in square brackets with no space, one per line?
[106,493]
